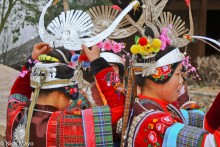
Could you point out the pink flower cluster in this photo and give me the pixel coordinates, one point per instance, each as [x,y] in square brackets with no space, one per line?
[109,45]
[189,67]
[164,38]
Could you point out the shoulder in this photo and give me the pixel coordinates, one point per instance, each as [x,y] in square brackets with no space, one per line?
[149,128]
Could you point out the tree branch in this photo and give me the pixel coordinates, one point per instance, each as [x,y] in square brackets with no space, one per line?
[3,10]
[4,20]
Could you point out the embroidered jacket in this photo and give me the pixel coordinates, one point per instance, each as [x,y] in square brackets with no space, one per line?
[71,127]
[156,123]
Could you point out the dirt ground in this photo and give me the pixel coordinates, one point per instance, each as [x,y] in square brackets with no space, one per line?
[203,95]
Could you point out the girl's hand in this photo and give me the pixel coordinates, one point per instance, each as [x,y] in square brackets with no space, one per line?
[92,54]
[39,49]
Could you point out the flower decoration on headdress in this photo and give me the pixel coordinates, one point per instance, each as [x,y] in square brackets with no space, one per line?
[146,46]
[110,45]
[164,38]
[116,7]
[81,59]
[189,68]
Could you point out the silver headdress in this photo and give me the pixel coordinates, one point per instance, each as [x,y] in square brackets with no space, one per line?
[168,29]
[71,28]
[45,74]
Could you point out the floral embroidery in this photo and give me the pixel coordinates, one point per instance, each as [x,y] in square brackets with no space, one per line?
[72,90]
[160,127]
[158,73]
[166,69]
[119,87]
[152,137]
[155,120]
[167,120]
[162,73]
[151,126]
[112,79]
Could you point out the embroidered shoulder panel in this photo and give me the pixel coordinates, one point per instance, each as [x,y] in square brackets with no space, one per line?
[148,128]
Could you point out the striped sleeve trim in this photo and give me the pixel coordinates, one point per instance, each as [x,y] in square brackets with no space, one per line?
[196,119]
[190,136]
[18,97]
[170,137]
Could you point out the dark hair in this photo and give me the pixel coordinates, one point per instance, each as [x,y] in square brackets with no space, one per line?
[62,71]
[56,54]
[140,80]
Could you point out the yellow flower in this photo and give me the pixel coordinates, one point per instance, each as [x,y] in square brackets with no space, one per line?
[149,49]
[135,49]
[156,44]
[142,51]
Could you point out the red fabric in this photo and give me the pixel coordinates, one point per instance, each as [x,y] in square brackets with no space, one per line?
[113,90]
[12,114]
[203,140]
[152,130]
[22,85]
[207,127]
[63,129]
[217,137]
[213,115]
[162,103]
[89,128]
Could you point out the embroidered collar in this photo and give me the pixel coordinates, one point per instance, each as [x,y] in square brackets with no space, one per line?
[162,103]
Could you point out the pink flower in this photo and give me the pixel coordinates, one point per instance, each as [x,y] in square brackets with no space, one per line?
[107,45]
[167,120]
[117,47]
[166,70]
[160,127]
[164,38]
[116,7]
[100,44]
[152,137]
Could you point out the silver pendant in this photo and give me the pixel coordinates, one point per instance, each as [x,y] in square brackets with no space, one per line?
[19,136]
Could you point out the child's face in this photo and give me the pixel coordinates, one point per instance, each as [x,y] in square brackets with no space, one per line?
[170,90]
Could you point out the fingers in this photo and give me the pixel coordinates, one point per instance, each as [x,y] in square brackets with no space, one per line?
[40,45]
[85,49]
[93,49]
[39,49]
[45,49]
